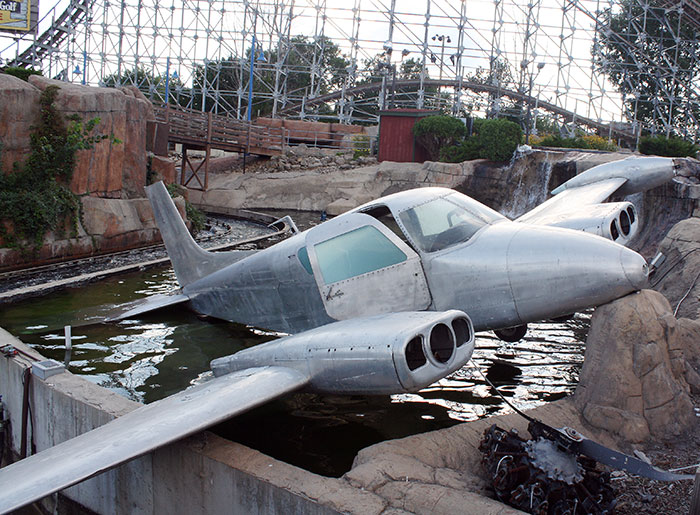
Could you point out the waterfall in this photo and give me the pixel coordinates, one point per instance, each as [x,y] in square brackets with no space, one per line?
[532,172]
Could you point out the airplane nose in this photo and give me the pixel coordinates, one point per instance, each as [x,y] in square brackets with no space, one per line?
[554,271]
[635,268]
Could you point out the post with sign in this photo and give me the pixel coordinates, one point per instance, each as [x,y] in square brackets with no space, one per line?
[19,16]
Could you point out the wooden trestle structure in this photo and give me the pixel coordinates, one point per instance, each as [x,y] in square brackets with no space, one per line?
[196,130]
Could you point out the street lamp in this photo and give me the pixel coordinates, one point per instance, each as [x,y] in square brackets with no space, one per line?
[528,127]
[442,38]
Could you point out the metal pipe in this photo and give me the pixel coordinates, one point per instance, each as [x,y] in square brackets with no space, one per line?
[25,412]
[69,345]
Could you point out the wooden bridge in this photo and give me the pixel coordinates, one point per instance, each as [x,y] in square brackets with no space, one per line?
[196,130]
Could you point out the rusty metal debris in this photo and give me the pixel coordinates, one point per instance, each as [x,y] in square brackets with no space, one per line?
[538,476]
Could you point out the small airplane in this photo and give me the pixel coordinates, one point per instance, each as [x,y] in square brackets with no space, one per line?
[382,299]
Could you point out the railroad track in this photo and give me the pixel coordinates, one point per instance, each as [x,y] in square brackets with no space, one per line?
[17,284]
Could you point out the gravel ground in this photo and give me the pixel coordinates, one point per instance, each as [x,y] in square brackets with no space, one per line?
[641,496]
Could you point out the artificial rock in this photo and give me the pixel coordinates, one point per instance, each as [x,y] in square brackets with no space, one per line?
[639,368]
[112,169]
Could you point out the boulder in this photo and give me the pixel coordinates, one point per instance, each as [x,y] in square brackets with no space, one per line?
[110,217]
[19,109]
[110,169]
[163,169]
[639,368]
[679,276]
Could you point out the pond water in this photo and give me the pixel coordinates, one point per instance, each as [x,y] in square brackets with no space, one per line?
[163,352]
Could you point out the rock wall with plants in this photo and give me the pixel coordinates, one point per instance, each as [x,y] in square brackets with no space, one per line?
[73,166]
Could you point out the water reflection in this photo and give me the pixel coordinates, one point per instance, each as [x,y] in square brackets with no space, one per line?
[163,352]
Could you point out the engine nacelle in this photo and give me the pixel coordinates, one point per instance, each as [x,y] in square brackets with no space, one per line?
[383,354]
[616,221]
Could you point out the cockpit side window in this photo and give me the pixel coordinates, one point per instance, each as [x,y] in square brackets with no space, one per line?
[354,253]
[383,214]
[303,256]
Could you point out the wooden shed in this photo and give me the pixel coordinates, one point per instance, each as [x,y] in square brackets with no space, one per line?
[396,141]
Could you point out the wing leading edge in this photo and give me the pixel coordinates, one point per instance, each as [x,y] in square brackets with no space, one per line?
[141,431]
[145,305]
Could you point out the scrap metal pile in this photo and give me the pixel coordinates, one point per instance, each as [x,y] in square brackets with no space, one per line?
[541,477]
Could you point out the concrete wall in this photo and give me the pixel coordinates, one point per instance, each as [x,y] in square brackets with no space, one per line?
[201,474]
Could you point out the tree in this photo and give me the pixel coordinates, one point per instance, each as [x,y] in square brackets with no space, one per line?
[297,59]
[217,84]
[499,75]
[436,132]
[650,55]
[376,69]
[151,85]
[20,73]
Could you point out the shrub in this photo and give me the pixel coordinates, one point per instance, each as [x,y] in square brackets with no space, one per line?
[467,150]
[498,138]
[439,131]
[586,142]
[197,219]
[495,140]
[360,145]
[596,142]
[20,73]
[668,147]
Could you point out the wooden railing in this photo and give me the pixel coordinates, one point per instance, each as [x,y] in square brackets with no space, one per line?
[200,130]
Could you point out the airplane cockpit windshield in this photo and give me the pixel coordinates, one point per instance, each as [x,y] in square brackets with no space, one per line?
[446,221]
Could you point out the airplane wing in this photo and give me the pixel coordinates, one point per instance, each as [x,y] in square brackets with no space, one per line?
[141,431]
[571,201]
[578,203]
[145,305]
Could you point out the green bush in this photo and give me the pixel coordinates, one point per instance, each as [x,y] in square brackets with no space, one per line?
[495,140]
[668,147]
[20,73]
[467,150]
[439,131]
[498,138]
[360,145]
[586,142]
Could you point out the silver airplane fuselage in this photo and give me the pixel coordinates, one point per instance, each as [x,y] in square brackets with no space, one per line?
[501,273]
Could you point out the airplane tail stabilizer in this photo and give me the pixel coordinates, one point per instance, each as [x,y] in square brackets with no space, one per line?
[190,261]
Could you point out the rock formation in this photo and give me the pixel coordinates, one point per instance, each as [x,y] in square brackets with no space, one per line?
[335,192]
[113,170]
[109,178]
[19,109]
[679,276]
[640,365]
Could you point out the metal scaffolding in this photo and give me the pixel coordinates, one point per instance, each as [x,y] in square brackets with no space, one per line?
[588,58]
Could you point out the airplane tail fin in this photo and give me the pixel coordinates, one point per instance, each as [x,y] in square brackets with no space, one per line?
[190,261]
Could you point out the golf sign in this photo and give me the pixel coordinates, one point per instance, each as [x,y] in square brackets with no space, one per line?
[18,16]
